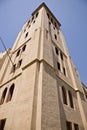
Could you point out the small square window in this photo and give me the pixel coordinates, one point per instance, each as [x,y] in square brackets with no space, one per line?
[69,125]
[76,127]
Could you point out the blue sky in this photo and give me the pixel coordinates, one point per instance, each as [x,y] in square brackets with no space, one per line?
[72,15]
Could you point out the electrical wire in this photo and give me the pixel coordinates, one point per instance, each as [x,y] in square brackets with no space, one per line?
[6,51]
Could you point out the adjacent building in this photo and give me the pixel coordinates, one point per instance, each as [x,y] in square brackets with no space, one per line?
[41,89]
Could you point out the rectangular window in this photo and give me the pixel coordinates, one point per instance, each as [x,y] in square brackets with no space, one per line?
[68,125]
[32,18]
[37,14]
[19,63]
[26,34]
[55,24]
[51,20]
[61,55]
[58,66]
[70,99]
[2,124]
[47,34]
[64,71]
[18,52]
[13,68]
[55,36]
[57,51]
[28,22]
[48,15]
[76,127]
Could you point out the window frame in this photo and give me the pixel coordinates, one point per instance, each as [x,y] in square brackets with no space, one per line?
[2,124]
[19,63]
[10,93]
[68,125]
[26,35]
[64,95]
[61,55]
[64,71]
[58,66]
[18,52]
[56,50]
[37,14]
[55,36]
[76,126]
[3,96]
[70,99]
[23,48]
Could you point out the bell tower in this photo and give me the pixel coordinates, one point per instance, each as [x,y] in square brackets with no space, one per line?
[42,90]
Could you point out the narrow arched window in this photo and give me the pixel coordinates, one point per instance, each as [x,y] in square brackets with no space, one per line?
[18,53]
[55,24]
[64,71]
[64,95]
[24,47]
[58,66]
[70,99]
[37,14]
[57,51]
[51,20]
[61,55]
[10,93]
[19,63]
[26,34]
[3,96]
[13,68]
[55,36]
[32,18]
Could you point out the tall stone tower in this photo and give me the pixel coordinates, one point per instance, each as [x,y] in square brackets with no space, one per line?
[42,89]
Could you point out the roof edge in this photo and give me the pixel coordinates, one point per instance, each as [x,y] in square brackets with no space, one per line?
[44,5]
